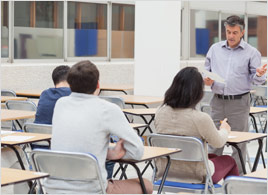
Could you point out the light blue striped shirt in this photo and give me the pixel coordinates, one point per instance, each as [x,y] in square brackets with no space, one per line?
[237,66]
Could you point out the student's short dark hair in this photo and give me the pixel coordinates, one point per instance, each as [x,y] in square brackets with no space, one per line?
[83,77]
[235,20]
[60,73]
[186,89]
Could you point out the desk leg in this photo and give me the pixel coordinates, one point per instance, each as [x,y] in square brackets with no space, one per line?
[18,156]
[164,176]
[254,123]
[148,123]
[257,131]
[241,158]
[258,156]
[140,177]
[145,168]
[30,184]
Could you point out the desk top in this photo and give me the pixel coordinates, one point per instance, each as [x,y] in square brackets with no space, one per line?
[35,137]
[140,111]
[33,93]
[6,98]
[37,93]
[258,174]
[115,87]
[12,176]
[138,99]
[244,136]
[254,110]
[137,125]
[7,115]
[151,153]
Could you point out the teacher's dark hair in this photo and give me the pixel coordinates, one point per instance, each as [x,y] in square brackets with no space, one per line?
[186,89]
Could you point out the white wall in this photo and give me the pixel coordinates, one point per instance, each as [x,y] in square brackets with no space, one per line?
[19,76]
[157,46]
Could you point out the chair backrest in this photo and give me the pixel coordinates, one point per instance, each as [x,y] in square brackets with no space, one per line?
[244,185]
[206,108]
[38,128]
[69,172]
[116,100]
[6,92]
[192,147]
[260,90]
[192,150]
[21,105]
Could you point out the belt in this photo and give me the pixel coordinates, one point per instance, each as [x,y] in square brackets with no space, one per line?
[230,97]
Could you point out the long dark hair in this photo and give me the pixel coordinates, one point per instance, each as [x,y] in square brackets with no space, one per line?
[186,89]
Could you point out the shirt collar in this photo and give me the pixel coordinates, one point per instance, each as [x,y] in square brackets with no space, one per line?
[242,44]
[83,95]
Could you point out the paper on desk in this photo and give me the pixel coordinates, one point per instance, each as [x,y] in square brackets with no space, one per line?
[231,136]
[12,138]
[212,75]
[6,132]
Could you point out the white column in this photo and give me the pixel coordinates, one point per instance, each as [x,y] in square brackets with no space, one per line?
[157,46]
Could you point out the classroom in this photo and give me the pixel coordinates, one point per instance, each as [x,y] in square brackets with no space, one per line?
[134,97]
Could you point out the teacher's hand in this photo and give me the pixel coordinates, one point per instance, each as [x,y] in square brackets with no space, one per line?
[261,70]
[208,81]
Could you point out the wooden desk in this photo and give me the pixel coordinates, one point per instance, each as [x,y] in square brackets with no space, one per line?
[151,153]
[13,176]
[142,113]
[37,93]
[11,144]
[258,174]
[122,88]
[257,110]
[242,137]
[6,98]
[7,115]
[141,100]
[29,93]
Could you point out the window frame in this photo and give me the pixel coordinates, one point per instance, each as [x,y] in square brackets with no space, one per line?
[245,9]
[65,58]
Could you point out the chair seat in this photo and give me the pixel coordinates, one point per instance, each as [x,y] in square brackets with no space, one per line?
[261,106]
[185,185]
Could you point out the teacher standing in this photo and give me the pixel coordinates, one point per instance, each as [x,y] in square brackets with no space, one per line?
[239,64]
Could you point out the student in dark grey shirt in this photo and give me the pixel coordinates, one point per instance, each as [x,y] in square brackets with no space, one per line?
[50,96]
[239,64]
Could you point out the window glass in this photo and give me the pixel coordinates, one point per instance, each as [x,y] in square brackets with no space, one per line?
[38,29]
[203,31]
[123,22]
[257,33]
[87,29]
[4,29]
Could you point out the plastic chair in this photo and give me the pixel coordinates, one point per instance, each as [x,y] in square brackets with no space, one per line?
[7,92]
[116,100]
[38,128]
[69,172]
[244,185]
[21,105]
[192,151]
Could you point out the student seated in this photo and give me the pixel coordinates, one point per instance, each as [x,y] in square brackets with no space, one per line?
[82,122]
[50,96]
[178,116]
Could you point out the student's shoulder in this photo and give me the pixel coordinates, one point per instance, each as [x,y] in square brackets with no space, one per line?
[201,116]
